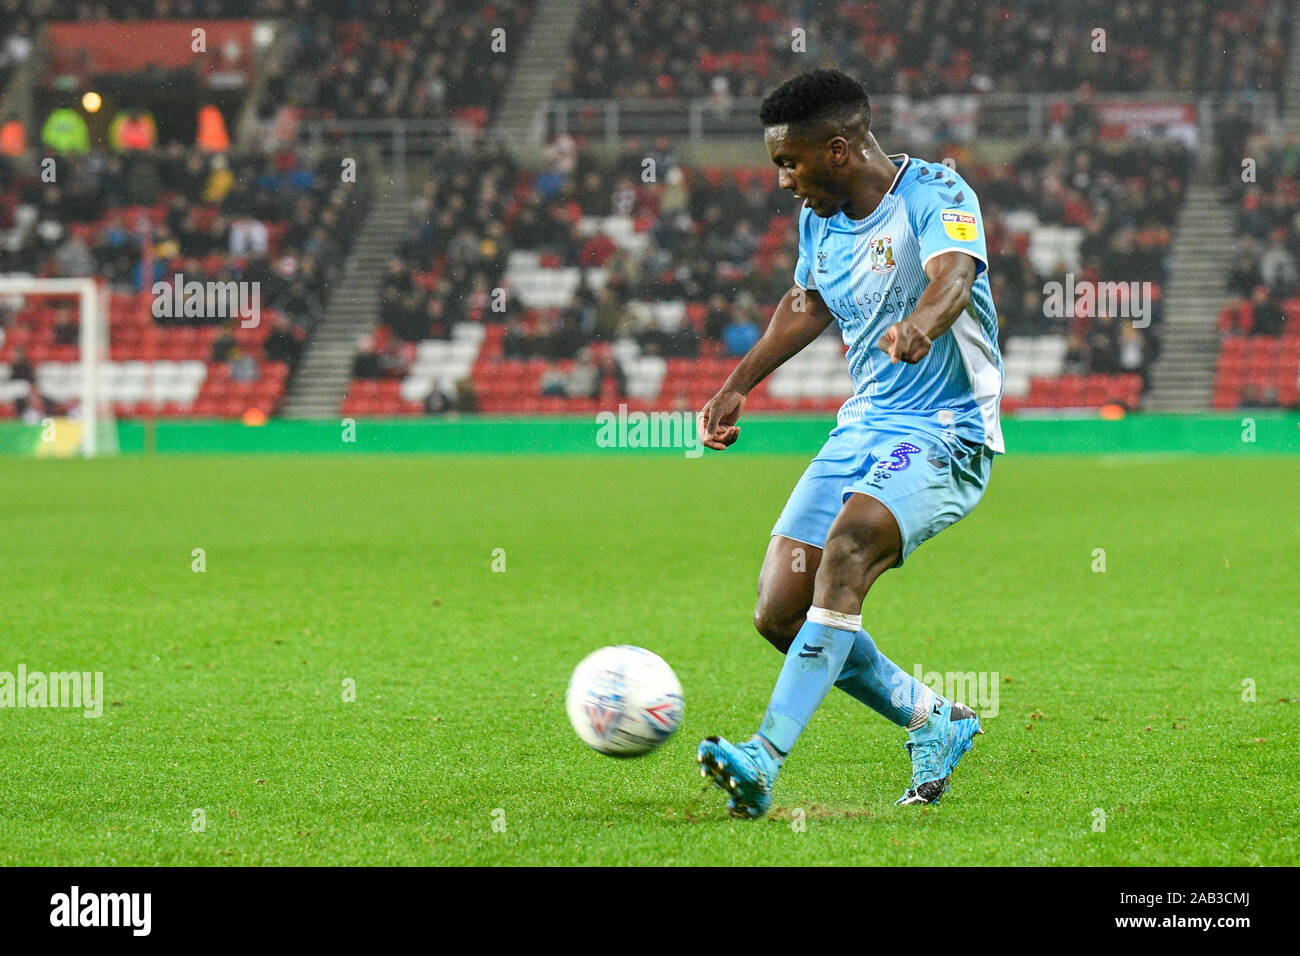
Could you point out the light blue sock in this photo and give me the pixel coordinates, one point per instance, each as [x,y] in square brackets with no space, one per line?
[871,677]
[813,662]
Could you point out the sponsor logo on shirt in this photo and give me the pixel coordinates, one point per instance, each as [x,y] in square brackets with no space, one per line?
[959,225]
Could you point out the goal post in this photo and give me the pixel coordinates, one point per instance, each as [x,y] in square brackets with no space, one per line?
[95,432]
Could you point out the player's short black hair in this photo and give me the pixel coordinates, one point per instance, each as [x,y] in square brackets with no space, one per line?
[818,96]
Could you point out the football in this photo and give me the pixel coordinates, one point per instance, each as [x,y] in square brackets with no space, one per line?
[624,701]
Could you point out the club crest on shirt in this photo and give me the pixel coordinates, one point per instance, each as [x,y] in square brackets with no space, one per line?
[882,254]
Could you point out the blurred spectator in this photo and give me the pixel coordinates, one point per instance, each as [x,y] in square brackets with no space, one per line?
[248,236]
[1083,121]
[73,257]
[13,138]
[553,384]
[565,338]
[718,318]
[284,344]
[1076,355]
[466,396]
[437,401]
[1244,275]
[1132,355]
[1267,315]
[1277,265]
[302,305]
[1232,126]
[212,136]
[243,368]
[584,378]
[20,367]
[611,371]
[1256,395]
[516,343]
[223,347]
[67,329]
[366,363]
[132,130]
[1103,346]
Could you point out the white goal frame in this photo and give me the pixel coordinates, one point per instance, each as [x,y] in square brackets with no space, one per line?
[93,303]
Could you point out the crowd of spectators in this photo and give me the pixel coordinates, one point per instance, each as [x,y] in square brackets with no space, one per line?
[88,10]
[409,59]
[1265,271]
[732,248]
[700,48]
[953,46]
[452,261]
[146,217]
[947,46]
[1126,203]
[1263,279]
[704,245]
[375,58]
[142,217]
[17,38]
[725,243]
[338,59]
[207,216]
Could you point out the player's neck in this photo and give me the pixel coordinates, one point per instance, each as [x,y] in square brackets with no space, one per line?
[871,187]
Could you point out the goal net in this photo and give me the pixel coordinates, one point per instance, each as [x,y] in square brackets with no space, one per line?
[53,360]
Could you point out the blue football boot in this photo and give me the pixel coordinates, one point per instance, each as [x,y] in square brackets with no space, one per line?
[935,749]
[745,771]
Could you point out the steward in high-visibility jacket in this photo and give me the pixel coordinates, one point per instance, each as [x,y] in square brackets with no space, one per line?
[65,132]
[212,137]
[134,131]
[13,138]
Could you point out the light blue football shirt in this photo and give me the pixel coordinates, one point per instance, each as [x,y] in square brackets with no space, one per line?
[870,273]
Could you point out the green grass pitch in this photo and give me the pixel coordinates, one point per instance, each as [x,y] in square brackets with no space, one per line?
[1119,692]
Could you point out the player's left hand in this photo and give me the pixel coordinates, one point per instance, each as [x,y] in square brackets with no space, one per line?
[904,341]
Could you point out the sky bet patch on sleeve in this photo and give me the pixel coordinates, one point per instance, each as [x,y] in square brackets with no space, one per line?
[959,225]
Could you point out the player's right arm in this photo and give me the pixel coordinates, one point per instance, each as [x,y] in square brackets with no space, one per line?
[800,318]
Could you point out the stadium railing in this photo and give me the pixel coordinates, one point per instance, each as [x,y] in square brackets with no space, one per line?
[393,140]
[962,116]
[956,117]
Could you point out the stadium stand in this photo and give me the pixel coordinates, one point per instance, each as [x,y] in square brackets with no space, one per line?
[140,219]
[273,219]
[659,287]
[16,41]
[709,48]
[408,59]
[564,285]
[956,46]
[948,46]
[1259,360]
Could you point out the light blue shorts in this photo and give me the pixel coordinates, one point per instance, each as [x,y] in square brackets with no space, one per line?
[927,478]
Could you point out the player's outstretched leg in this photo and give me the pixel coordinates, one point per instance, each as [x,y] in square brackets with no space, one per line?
[785,592]
[831,649]
[864,535]
[811,667]
[815,658]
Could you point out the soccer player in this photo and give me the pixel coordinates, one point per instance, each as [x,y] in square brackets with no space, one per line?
[891,248]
